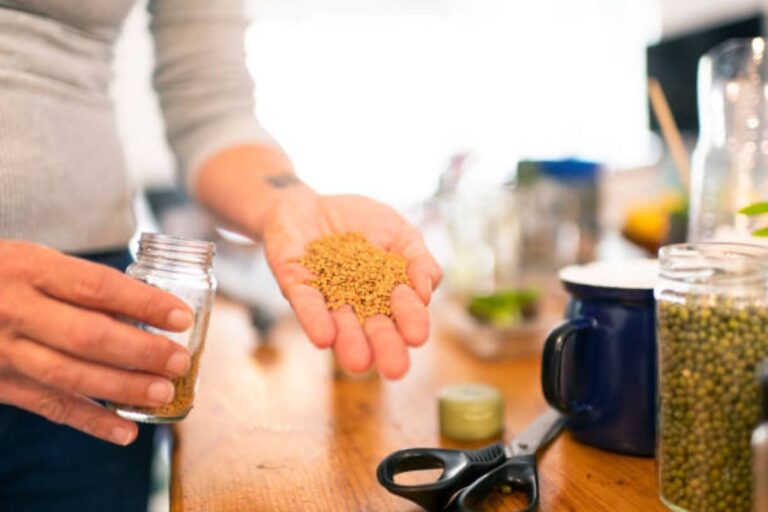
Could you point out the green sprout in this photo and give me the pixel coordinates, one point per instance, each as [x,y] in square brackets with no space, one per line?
[754,210]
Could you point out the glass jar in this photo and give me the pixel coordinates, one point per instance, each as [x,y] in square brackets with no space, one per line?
[484,231]
[712,307]
[183,268]
[729,168]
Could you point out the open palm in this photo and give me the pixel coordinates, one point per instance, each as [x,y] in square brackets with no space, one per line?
[293,224]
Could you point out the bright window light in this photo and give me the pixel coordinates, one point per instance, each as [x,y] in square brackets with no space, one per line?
[375,96]
[375,101]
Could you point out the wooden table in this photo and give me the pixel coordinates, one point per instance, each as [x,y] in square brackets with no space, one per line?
[272,430]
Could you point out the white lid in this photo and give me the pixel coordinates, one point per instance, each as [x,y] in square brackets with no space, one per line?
[625,274]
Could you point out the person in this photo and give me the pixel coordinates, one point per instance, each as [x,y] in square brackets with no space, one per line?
[65,221]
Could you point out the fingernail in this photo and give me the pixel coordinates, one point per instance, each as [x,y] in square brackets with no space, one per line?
[121,436]
[180,319]
[160,391]
[178,363]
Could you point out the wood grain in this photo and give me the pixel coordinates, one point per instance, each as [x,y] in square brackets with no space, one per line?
[272,430]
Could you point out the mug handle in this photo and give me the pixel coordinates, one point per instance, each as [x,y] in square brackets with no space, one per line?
[552,360]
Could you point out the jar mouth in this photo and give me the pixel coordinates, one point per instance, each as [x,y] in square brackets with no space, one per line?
[166,249]
[714,263]
[177,243]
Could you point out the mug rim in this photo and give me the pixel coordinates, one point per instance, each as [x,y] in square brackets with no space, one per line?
[567,278]
[582,291]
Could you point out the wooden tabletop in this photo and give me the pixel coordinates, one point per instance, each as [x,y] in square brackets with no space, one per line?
[273,430]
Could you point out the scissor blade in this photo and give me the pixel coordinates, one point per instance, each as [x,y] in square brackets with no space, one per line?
[545,427]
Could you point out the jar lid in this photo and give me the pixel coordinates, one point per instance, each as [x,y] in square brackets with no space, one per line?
[471,412]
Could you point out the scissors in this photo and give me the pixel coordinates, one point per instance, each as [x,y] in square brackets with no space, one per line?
[469,476]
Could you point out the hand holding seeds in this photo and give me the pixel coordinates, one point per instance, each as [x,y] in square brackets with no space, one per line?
[360,252]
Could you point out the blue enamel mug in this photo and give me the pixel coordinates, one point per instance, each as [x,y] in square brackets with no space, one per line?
[599,364]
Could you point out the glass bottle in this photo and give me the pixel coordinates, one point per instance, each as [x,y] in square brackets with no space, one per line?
[183,268]
[730,162]
[712,321]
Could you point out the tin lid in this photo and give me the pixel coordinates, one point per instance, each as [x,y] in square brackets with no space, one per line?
[470,412]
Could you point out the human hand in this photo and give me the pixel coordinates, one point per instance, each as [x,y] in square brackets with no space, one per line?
[305,216]
[60,343]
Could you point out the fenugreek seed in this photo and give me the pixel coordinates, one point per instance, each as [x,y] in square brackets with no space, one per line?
[350,270]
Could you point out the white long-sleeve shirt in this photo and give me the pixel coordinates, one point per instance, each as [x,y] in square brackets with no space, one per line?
[63,178]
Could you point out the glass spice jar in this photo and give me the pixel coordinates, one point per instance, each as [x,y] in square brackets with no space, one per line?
[712,321]
[183,268]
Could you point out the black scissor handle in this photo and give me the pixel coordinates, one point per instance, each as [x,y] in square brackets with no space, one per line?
[460,468]
[517,474]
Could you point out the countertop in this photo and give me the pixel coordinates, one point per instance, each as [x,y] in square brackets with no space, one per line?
[274,430]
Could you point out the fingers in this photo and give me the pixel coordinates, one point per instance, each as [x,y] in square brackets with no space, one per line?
[411,315]
[289,274]
[309,306]
[77,412]
[389,349]
[411,245]
[425,275]
[352,350]
[99,338]
[105,289]
[64,373]
[423,271]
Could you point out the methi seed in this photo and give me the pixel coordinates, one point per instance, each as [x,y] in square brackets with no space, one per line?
[183,398]
[350,270]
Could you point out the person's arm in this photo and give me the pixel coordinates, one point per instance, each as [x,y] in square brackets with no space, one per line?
[206,92]
[232,166]
[226,158]
[254,189]
[242,185]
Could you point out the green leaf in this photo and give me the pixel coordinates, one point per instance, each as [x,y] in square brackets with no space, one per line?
[760,232]
[755,209]
[504,308]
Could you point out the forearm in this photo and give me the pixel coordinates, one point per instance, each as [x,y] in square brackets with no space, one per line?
[241,184]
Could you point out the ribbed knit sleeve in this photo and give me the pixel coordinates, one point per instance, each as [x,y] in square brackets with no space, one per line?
[206,93]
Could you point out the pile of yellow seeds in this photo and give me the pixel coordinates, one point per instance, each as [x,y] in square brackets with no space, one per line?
[351,271]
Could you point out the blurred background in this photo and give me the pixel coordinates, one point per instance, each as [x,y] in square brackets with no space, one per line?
[518,135]
[374,97]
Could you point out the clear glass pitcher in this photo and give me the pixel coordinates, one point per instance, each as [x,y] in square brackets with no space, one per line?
[730,163]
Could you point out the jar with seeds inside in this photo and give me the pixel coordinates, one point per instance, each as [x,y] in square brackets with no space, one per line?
[183,268]
[712,302]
